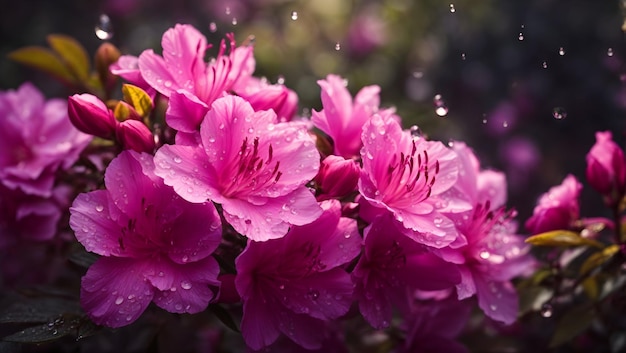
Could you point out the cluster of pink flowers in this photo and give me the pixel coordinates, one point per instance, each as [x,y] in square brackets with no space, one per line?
[386,223]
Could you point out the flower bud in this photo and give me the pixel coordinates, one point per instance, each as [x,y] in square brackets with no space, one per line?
[606,168]
[106,55]
[134,135]
[557,208]
[90,115]
[337,177]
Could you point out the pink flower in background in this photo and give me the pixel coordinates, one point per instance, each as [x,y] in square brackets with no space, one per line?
[295,284]
[405,176]
[391,268]
[36,139]
[606,167]
[434,325]
[342,118]
[155,246]
[263,96]
[256,168]
[557,208]
[494,254]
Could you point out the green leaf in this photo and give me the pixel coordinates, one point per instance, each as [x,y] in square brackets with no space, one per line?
[45,60]
[598,258]
[561,238]
[39,311]
[573,323]
[224,316]
[73,54]
[138,98]
[531,298]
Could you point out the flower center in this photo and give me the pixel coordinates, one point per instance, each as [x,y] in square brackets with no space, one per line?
[250,171]
[409,180]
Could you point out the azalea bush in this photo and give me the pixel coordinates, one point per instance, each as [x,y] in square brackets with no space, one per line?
[173,199]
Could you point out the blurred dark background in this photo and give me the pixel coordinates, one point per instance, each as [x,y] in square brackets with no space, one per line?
[525,83]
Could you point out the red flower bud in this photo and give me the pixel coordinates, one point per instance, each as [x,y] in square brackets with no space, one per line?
[337,177]
[134,135]
[91,116]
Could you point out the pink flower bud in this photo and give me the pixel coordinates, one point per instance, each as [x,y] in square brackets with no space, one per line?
[134,135]
[606,168]
[337,176]
[557,208]
[90,115]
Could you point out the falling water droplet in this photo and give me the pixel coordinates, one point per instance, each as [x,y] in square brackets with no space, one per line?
[505,124]
[337,46]
[281,80]
[559,113]
[561,51]
[452,9]
[609,52]
[294,15]
[234,22]
[213,27]
[463,56]
[228,10]
[520,36]
[544,65]
[440,106]
[546,310]
[415,131]
[104,29]
[418,74]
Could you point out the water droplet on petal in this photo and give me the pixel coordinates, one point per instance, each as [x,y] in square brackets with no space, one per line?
[314,294]
[119,300]
[177,159]
[559,113]
[294,15]
[99,208]
[484,255]
[104,29]
[493,307]
[185,258]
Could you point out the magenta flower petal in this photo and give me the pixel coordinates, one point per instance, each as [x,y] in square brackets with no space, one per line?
[189,290]
[259,333]
[498,300]
[558,208]
[156,72]
[114,293]
[183,53]
[185,111]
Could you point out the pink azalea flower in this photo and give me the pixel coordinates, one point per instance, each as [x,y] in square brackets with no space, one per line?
[36,139]
[338,177]
[295,284]
[253,166]
[391,268]
[155,246]
[127,67]
[90,115]
[557,208]
[406,176]
[606,167]
[264,96]
[433,327]
[494,254]
[342,118]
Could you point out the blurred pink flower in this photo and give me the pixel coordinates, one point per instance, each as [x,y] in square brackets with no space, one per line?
[558,208]
[494,254]
[295,284]
[606,167]
[36,139]
[406,176]
[342,118]
[391,268]
[255,167]
[155,246]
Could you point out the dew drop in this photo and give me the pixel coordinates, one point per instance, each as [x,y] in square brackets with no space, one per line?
[559,113]
[281,287]
[546,310]
[104,29]
[609,52]
[294,15]
[484,255]
[178,307]
[167,83]
[119,300]
[314,294]
[129,317]
[185,258]
[347,235]
[99,208]
[561,51]
[452,8]
[493,307]
[415,131]
[212,27]
[337,46]
[177,159]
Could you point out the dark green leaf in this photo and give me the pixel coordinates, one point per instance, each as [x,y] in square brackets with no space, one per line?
[45,60]
[573,323]
[73,54]
[224,316]
[39,311]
